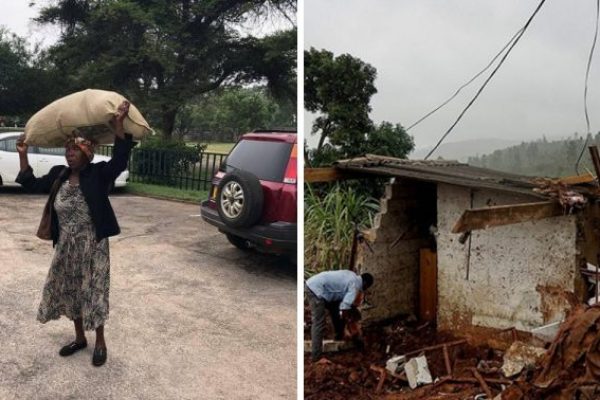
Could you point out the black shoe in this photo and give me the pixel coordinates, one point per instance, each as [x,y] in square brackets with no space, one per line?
[99,357]
[72,348]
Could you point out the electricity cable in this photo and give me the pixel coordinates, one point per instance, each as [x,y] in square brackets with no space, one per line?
[512,46]
[587,74]
[466,84]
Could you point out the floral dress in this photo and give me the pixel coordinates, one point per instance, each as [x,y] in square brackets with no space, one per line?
[78,282]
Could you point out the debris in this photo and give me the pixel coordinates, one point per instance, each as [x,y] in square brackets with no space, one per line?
[520,356]
[547,333]
[330,346]
[482,382]
[578,337]
[395,364]
[382,376]
[489,367]
[417,372]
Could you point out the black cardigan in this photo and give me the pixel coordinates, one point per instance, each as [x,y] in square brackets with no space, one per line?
[94,180]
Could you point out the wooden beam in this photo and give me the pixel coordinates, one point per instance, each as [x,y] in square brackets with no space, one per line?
[482,218]
[595,158]
[323,175]
[427,285]
[577,179]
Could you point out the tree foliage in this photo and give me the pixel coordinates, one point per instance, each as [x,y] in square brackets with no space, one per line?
[541,157]
[164,53]
[227,113]
[339,90]
[26,84]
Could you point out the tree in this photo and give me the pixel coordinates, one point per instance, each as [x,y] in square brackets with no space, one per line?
[231,111]
[389,140]
[26,84]
[339,89]
[163,53]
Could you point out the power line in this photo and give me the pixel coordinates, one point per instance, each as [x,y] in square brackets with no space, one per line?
[520,34]
[587,74]
[466,84]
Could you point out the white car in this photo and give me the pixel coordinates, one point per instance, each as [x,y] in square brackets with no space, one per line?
[41,160]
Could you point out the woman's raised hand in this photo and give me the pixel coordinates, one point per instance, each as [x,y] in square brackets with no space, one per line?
[21,145]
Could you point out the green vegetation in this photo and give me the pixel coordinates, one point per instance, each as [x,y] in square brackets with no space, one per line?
[541,157]
[223,148]
[162,55]
[225,114]
[165,192]
[339,90]
[161,161]
[329,218]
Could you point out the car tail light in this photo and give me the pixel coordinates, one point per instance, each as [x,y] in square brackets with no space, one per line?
[291,172]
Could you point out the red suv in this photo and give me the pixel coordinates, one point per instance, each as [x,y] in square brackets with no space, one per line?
[253,198]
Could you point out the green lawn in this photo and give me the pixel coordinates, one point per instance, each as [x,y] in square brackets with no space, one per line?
[166,192]
[223,148]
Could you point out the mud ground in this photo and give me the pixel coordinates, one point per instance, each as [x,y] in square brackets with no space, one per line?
[191,317]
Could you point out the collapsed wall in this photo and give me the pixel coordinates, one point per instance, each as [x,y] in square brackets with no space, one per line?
[521,275]
[394,262]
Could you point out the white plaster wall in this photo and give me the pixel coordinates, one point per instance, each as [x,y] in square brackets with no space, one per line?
[508,266]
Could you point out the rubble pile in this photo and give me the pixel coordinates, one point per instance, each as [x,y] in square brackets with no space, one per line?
[571,367]
[571,198]
[405,361]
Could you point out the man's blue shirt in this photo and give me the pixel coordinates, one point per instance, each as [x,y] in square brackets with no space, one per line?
[342,285]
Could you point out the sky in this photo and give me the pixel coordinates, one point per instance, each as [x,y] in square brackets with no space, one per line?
[16,16]
[424,50]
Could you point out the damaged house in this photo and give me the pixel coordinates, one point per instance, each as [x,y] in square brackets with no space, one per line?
[469,247]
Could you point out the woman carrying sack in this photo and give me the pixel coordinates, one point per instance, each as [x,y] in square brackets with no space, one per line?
[79,219]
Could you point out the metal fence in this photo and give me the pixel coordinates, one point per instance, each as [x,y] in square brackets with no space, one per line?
[175,168]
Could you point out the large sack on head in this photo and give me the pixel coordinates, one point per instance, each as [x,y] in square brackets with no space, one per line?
[86,113]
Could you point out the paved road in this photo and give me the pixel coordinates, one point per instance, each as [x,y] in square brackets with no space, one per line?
[191,317]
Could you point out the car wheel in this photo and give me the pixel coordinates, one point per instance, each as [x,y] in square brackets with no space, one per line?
[239,242]
[240,199]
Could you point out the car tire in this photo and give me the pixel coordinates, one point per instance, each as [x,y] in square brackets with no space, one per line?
[239,242]
[240,199]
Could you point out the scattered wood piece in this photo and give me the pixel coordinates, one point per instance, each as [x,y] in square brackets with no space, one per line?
[447,361]
[482,382]
[495,381]
[436,347]
[382,375]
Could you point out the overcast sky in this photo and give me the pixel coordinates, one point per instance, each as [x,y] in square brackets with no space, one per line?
[16,15]
[425,49]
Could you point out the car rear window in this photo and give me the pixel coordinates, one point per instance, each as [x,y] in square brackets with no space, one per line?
[267,160]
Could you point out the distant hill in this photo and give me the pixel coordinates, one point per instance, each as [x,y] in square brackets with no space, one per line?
[541,157]
[461,151]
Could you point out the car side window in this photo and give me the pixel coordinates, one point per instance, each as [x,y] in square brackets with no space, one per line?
[2,145]
[55,151]
[10,145]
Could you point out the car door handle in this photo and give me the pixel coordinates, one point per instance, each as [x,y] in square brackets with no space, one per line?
[43,160]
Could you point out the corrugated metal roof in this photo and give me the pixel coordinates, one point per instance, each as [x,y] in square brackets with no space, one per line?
[452,172]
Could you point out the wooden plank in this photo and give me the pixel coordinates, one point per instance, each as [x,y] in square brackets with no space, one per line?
[322,175]
[482,218]
[577,179]
[428,285]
